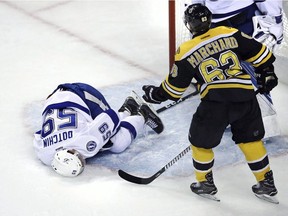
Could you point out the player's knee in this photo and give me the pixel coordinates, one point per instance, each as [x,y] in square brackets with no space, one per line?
[121,141]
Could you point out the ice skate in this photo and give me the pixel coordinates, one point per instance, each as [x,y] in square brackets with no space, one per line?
[136,106]
[130,105]
[148,112]
[151,118]
[206,189]
[266,189]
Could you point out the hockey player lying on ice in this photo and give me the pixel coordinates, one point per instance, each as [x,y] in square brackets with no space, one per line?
[78,123]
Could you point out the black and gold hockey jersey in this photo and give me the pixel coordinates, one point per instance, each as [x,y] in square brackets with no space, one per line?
[214,60]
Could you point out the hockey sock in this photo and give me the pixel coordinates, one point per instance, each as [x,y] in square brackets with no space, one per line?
[256,157]
[203,160]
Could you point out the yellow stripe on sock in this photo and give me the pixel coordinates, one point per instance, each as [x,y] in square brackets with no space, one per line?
[202,155]
[255,152]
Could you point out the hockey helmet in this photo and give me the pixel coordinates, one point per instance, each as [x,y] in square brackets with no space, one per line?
[197,18]
[69,163]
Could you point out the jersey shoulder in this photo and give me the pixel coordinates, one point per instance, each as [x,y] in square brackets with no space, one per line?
[186,48]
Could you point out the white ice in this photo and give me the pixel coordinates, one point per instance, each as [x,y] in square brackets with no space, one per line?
[116,46]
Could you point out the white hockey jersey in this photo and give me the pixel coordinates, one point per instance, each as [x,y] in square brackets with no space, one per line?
[72,127]
[230,8]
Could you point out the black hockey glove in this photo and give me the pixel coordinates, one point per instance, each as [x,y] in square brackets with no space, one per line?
[266,80]
[152,94]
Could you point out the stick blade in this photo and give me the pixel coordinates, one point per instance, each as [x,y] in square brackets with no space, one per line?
[135,179]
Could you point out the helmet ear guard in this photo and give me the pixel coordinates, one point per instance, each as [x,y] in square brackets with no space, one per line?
[69,163]
[197,18]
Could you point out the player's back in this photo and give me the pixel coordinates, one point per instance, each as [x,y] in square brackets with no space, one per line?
[214,59]
[65,117]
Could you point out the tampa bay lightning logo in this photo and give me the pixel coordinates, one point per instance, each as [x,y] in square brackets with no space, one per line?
[91,146]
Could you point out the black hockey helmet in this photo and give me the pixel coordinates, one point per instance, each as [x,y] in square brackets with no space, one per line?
[197,18]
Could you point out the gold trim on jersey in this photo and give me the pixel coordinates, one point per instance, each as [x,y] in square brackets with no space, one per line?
[210,43]
[172,90]
[261,57]
[229,84]
[215,58]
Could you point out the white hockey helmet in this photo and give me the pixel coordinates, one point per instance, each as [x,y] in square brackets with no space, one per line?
[69,163]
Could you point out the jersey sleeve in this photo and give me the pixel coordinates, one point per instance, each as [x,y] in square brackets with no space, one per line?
[270,7]
[181,74]
[176,82]
[91,140]
[254,52]
[105,125]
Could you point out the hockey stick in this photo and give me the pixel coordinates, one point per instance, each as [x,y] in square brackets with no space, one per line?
[140,180]
[179,101]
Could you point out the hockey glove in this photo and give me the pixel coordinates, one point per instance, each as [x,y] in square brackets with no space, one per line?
[268,30]
[152,94]
[266,80]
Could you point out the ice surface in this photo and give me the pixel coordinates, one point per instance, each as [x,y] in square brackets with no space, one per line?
[116,46]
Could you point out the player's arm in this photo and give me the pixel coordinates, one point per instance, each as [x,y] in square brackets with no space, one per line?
[91,140]
[270,7]
[252,51]
[172,87]
[104,126]
[268,26]
[178,80]
[262,60]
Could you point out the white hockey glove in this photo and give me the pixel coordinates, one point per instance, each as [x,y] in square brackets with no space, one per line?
[268,30]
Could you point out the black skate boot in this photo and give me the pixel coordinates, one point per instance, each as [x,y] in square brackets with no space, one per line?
[130,105]
[206,189]
[266,189]
[151,118]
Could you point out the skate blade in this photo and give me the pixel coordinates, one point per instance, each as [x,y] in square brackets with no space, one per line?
[271,199]
[136,97]
[209,196]
[140,101]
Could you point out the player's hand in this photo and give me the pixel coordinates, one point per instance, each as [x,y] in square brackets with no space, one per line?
[267,81]
[151,94]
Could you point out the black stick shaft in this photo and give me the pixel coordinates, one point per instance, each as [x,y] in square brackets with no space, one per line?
[140,180]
